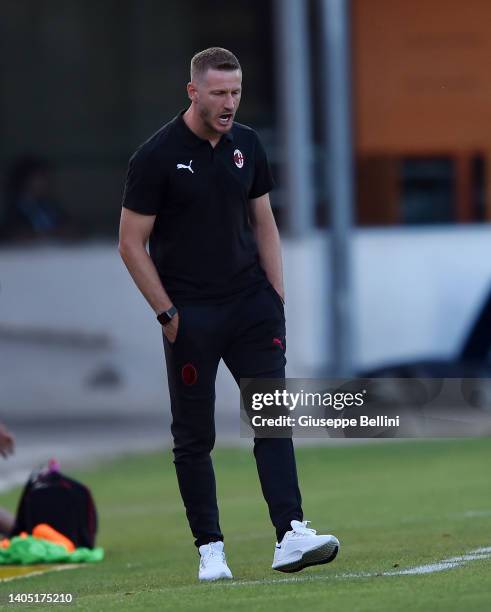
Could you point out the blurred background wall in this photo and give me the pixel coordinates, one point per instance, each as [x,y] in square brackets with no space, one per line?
[423,110]
[84,83]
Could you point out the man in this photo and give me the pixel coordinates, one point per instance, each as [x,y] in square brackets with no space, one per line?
[198,188]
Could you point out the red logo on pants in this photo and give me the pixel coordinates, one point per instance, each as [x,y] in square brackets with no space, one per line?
[189,374]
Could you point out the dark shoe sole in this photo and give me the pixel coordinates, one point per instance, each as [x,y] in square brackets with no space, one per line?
[318,556]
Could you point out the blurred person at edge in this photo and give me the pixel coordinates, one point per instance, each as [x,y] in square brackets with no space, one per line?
[199,189]
[7,443]
[30,208]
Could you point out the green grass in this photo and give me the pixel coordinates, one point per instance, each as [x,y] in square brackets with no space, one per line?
[394,503]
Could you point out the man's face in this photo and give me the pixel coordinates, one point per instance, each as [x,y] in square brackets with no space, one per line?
[216,95]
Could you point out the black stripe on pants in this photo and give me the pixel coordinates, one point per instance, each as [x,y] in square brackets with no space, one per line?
[249,335]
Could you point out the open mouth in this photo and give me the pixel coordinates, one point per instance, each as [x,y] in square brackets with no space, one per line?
[225,118]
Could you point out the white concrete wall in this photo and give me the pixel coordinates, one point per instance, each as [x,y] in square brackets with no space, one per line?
[419,290]
[416,291]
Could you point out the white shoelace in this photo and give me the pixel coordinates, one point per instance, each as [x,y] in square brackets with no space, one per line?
[212,553]
[303,530]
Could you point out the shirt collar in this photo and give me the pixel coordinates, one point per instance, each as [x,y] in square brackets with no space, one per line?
[191,139]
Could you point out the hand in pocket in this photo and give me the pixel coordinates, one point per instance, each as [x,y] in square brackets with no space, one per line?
[171,329]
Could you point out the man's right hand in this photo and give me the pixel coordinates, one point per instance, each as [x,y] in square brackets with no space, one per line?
[170,330]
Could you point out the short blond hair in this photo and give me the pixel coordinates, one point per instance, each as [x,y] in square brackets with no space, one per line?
[215,58]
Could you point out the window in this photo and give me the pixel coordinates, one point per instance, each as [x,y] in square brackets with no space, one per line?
[420,190]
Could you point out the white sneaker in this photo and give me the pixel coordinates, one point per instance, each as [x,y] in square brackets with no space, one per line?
[213,564]
[301,547]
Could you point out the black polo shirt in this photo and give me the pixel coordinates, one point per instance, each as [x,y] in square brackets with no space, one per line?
[202,244]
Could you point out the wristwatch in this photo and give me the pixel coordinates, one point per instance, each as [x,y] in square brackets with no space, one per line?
[166,317]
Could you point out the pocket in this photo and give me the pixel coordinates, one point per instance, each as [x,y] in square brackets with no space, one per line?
[179,329]
[277,298]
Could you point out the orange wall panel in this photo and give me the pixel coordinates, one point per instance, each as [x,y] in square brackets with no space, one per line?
[422,75]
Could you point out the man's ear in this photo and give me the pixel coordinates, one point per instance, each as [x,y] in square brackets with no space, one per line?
[192,92]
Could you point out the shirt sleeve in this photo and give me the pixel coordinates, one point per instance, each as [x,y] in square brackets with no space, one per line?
[144,186]
[263,179]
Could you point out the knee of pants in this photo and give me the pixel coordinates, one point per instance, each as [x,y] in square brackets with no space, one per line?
[193,448]
[276,446]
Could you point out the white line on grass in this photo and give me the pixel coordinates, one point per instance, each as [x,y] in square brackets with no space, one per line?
[439,566]
[476,513]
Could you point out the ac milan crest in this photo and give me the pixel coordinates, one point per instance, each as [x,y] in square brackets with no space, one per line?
[238,158]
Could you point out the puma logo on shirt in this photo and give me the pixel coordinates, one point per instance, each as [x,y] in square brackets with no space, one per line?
[184,167]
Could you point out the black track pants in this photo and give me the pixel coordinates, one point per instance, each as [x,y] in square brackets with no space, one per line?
[249,335]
